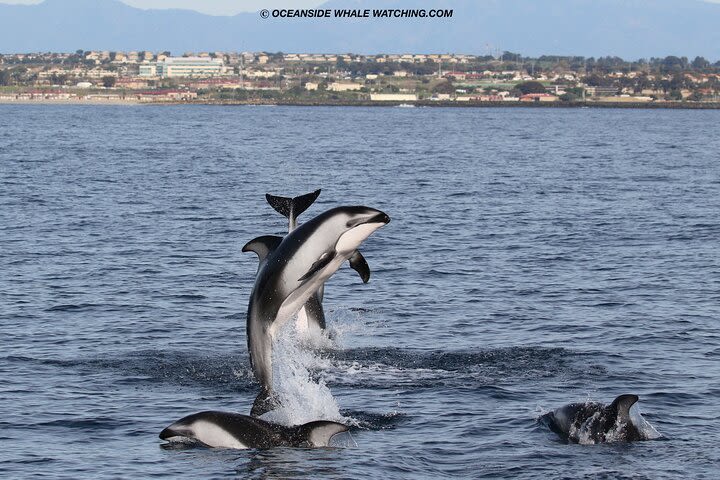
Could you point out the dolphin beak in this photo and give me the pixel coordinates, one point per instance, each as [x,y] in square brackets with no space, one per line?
[169,433]
[379,217]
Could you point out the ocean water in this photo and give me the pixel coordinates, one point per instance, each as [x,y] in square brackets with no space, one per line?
[535,257]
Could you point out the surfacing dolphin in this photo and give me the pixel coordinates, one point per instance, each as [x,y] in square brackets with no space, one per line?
[311,316]
[232,430]
[291,270]
[594,422]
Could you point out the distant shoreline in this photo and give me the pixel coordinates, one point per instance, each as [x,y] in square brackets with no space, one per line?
[361,103]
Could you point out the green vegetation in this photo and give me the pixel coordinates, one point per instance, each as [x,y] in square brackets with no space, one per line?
[530,87]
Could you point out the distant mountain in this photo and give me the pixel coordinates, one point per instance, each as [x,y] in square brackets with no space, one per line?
[630,29]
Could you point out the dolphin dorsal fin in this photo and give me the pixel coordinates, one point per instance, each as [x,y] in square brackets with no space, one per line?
[360,265]
[262,245]
[622,404]
[292,207]
[319,433]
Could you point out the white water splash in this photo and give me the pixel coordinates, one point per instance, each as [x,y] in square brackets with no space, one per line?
[303,394]
[644,427]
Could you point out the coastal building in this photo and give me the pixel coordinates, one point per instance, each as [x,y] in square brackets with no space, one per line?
[166,96]
[183,67]
[37,95]
[538,97]
[131,83]
[625,99]
[602,91]
[260,74]
[393,97]
[344,87]
[311,86]
[99,73]
[148,70]
[457,75]
[216,83]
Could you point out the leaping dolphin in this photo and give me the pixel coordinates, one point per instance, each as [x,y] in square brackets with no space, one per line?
[291,270]
[232,430]
[311,316]
[594,422]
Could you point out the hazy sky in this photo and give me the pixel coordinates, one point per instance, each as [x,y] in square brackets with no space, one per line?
[221,7]
[213,7]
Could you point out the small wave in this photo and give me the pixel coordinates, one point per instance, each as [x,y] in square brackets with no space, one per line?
[191,369]
[72,307]
[376,421]
[391,368]
[188,297]
[515,358]
[30,461]
[90,424]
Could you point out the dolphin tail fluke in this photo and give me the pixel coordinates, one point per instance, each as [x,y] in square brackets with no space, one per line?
[292,207]
[264,402]
[319,434]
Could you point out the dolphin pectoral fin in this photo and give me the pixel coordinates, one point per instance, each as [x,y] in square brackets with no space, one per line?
[360,265]
[262,245]
[265,402]
[322,262]
[622,404]
[292,207]
[319,433]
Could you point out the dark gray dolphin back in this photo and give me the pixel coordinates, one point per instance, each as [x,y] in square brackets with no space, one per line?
[595,421]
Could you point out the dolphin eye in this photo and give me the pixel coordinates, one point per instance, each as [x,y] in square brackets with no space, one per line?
[354,222]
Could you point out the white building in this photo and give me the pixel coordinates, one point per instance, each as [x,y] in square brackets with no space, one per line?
[184,67]
[393,97]
[148,70]
[344,87]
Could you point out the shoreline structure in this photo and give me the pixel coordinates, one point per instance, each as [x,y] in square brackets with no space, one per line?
[361,103]
[263,78]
